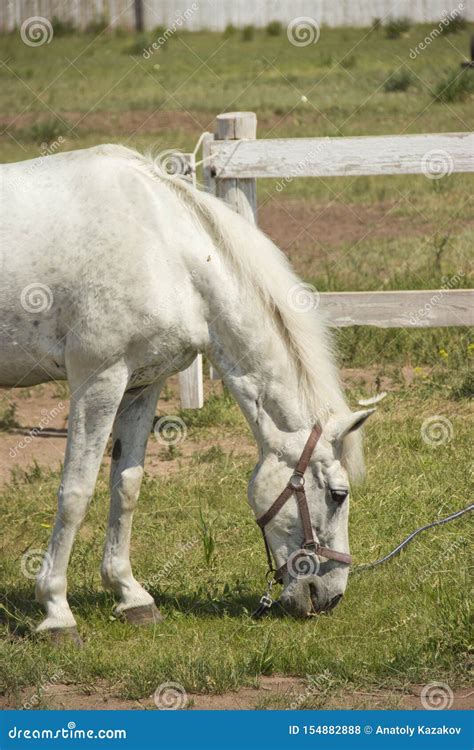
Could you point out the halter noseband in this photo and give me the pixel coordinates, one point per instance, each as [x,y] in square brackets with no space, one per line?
[296,486]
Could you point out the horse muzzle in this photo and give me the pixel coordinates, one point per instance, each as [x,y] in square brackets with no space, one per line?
[308,596]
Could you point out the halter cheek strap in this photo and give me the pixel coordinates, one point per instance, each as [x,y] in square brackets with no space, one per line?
[296,486]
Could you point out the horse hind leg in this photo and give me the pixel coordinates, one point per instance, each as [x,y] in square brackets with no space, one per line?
[94,402]
[129,439]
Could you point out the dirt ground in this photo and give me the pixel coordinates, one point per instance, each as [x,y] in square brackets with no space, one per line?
[23,446]
[139,121]
[19,453]
[273,692]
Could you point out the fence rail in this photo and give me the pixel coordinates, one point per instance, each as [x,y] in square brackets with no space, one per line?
[234,158]
[429,154]
[404,309]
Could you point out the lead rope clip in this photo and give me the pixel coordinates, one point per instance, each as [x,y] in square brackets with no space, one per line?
[266,601]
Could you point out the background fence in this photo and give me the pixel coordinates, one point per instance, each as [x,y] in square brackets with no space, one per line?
[216,14]
[234,158]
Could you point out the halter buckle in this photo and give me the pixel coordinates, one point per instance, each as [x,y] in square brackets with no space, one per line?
[296,481]
[266,601]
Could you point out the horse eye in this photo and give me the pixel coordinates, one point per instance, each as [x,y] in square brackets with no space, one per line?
[339,495]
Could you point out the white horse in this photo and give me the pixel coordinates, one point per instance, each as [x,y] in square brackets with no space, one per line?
[114,276]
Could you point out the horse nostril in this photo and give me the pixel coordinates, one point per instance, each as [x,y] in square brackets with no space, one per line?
[335,600]
[339,496]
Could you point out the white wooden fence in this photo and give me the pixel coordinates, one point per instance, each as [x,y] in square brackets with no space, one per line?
[234,158]
[217,14]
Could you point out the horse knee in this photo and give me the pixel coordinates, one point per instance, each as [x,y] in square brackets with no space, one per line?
[129,487]
[72,505]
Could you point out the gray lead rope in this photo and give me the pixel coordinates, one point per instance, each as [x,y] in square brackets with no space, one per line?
[266,601]
[410,537]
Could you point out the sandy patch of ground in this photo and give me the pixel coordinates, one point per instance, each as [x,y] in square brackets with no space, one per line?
[23,446]
[272,692]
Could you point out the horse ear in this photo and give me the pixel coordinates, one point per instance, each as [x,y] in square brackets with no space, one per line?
[342,426]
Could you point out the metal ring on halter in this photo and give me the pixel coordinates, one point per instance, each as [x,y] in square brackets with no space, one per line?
[296,481]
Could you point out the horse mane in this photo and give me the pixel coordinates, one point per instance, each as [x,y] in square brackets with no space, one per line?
[261,266]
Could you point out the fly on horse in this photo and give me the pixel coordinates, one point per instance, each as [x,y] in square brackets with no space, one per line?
[114,276]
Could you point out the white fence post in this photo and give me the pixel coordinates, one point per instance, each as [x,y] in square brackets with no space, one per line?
[191,388]
[241,194]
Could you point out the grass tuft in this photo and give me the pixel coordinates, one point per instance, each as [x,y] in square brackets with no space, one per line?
[401,80]
[456,87]
[397,27]
[274,28]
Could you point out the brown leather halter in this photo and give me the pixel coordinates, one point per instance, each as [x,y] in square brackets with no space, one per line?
[296,485]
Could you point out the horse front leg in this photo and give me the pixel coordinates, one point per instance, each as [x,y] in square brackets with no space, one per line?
[95,398]
[129,439]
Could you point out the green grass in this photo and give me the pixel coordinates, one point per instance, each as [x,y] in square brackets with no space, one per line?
[401,80]
[456,87]
[266,74]
[405,622]
[397,27]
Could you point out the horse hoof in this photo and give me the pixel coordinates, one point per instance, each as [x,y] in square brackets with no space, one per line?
[146,614]
[63,636]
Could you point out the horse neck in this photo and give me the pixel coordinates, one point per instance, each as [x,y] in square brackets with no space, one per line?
[255,365]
